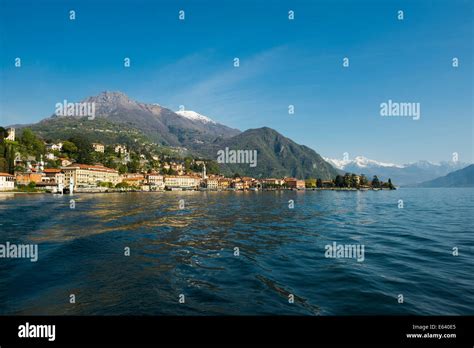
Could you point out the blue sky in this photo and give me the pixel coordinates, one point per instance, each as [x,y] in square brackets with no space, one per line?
[282,62]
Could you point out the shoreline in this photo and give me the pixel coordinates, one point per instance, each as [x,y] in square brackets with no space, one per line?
[201,190]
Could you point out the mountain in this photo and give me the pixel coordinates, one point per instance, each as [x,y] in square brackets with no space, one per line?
[403,175]
[459,178]
[277,156]
[155,122]
[359,162]
[119,119]
[193,115]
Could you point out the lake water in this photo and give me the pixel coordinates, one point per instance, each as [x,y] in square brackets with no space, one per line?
[190,251]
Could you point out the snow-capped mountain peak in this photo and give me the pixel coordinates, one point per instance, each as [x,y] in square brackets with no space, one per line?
[365,162]
[407,174]
[193,115]
[360,162]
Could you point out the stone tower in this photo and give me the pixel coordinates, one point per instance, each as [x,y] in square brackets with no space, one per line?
[11,134]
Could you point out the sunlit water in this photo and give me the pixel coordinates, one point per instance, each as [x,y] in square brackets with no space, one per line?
[408,251]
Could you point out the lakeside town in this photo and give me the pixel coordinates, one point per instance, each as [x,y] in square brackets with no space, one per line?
[57,167]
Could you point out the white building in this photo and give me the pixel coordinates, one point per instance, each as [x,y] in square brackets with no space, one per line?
[121,149]
[86,175]
[7,182]
[11,134]
[54,147]
[98,147]
[155,181]
[184,182]
[211,183]
[54,175]
[50,156]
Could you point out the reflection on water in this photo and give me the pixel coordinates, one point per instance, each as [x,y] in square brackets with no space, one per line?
[190,251]
[6,195]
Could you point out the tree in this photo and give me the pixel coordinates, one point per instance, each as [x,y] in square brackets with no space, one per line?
[52,164]
[375,182]
[110,151]
[363,180]
[122,169]
[122,185]
[187,164]
[3,133]
[390,185]
[196,167]
[347,180]
[319,183]
[355,181]
[69,148]
[339,182]
[134,166]
[106,184]
[84,149]
[7,151]
[109,162]
[310,183]
[31,144]
[212,167]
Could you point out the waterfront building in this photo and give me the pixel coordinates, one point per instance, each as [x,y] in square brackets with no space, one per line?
[26,178]
[238,184]
[155,181]
[182,181]
[211,183]
[87,175]
[48,186]
[295,183]
[53,175]
[7,182]
[224,183]
[273,181]
[327,183]
[257,184]
[133,179]
[247,182]
[53,180]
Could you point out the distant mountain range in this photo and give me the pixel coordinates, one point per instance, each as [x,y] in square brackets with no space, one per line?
[278,156]
[402,175]
[119,119]
[460,178]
